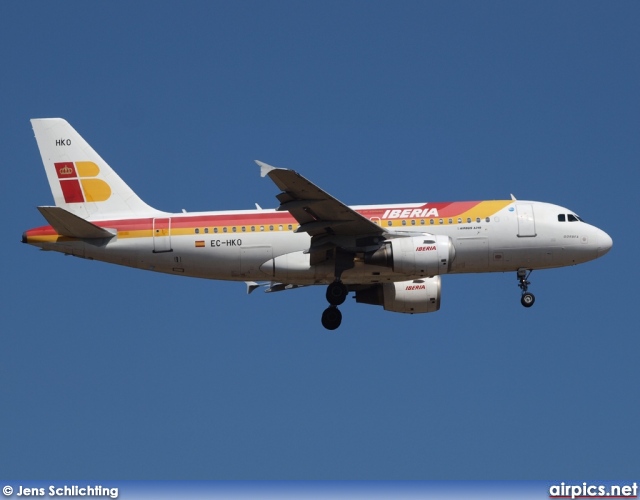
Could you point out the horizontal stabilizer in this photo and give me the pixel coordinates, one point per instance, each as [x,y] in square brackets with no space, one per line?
[67,224]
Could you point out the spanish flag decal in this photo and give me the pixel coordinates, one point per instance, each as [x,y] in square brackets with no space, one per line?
[199,244]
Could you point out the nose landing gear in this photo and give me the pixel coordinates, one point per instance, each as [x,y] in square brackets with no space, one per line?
[336,294]
[527,298]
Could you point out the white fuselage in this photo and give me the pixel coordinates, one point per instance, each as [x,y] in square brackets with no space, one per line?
[523,234]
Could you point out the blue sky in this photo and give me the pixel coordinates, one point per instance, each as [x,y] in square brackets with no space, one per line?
[110,372]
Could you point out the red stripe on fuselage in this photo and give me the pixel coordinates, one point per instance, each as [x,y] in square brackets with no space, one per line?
[180,221]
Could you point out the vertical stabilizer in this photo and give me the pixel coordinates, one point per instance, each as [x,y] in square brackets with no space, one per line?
[80,180]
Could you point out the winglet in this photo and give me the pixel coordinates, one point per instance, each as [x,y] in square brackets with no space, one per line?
[264,168]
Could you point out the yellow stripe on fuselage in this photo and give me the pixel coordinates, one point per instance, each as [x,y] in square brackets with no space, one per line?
[485,209]
[480,211]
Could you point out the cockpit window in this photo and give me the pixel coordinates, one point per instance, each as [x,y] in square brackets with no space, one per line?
[561,217]
[572,218]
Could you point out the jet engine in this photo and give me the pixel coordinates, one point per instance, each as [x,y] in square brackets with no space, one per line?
[426,255]
[414,296]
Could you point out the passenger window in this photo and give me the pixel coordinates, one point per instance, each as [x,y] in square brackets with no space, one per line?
[432,222]
[244,228]
[206,230]
[459,220]
[224,229]
[290,227]
[233,229]
[270,228]
[413,222]
[404,222]
[388,223]
[477,219]
[468,220]
[440,221]
[197,231]
[487,219]
[560,217]
[215,229]
[422,222]
[450,221]
[253,228]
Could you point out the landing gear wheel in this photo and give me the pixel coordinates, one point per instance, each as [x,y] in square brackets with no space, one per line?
[336,293]
[331,318]
[527,299]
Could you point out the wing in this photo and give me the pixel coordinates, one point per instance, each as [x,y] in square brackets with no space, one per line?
[336,230]
[317,212]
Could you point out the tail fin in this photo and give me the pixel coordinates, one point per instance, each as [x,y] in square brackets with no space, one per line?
[81,181]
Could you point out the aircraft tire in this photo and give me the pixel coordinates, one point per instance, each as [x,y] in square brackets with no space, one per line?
[331,318]
[527,299]
[337,293]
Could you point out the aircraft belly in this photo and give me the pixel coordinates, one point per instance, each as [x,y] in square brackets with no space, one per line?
[295,268]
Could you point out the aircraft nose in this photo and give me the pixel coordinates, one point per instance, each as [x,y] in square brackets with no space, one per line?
[604,243]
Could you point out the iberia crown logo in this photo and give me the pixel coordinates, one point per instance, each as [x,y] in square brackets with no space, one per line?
[66,170]
[79,184]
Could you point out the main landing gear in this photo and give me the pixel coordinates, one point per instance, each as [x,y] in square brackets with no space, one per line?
[527,298]
[336,295]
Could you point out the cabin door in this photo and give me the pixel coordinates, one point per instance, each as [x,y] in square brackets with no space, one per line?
[526,221]
[162,235]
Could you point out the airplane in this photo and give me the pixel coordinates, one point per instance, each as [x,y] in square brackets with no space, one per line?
[387,255]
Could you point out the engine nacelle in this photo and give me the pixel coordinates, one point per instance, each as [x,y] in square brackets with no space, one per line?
[426,255]
[411,297]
